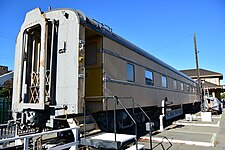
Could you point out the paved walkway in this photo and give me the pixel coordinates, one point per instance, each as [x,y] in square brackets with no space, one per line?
[220,138]
[195,135]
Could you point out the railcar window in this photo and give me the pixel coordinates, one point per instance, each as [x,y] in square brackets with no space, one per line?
[164,81]
[192,89]
[130,72]
[188,88]
[91,54]
[149,77]
[197,90]
[182,86]
[175,84]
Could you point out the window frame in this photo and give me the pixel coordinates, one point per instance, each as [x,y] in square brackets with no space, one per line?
[181,86]
[188,88]
[175,84]
[166,83]
[133,72]
[152,77]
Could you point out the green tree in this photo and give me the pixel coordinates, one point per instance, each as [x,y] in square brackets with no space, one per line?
[223,96]
[4,92]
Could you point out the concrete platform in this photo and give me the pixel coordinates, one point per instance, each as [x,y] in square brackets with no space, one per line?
[186,135]
[107,140]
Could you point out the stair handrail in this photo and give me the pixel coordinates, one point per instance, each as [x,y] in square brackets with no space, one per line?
[135,102]
[116,100]
[150,127]
[123,106]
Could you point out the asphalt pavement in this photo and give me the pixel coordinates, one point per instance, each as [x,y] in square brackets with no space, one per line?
[194,134]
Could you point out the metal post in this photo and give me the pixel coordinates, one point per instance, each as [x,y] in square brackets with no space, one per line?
[21,84]
[25,144]
[161,122]
[161,117]
[76,140]
[136,138]
[84,118]
[51,57]
[197,67]
[133,106]
[115,101]
[196,58]
[18,141]
[33,53]
[150,135]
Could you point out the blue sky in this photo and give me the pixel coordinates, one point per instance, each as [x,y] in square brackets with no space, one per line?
[163,28]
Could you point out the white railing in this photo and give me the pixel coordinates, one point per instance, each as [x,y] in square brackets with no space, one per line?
[72,145]
[7,131]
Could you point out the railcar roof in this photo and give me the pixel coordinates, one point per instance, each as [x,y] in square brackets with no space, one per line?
[100,28]
[107,31]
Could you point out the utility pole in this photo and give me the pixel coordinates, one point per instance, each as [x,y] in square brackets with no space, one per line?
[197,72]
[196,58]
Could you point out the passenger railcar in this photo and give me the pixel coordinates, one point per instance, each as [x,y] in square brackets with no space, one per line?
[65,61]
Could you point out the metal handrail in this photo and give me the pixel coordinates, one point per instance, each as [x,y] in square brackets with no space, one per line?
[26,137]
[161,143]
[136,137]
[135,102]
[117,99]
[150,132]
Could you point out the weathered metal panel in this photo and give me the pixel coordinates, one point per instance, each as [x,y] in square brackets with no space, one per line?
[33,18]
[17,73]
[82,71]
[67,60]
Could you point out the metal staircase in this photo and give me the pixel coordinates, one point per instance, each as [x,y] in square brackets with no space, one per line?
[87,125]
[111,140]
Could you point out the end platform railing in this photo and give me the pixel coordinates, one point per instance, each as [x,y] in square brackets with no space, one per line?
[26,138]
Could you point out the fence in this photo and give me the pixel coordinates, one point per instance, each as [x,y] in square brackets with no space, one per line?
[5,114]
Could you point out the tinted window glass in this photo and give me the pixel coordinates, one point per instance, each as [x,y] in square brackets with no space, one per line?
[91,54]
[130,72]
[175,84]
[181,86]
[149,77]
[164,81]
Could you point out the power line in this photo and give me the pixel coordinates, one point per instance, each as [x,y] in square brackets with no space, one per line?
[173,43]
[7,36]
[7,52]
[6,57]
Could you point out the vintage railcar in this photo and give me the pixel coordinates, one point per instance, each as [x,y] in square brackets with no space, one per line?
[66,63]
